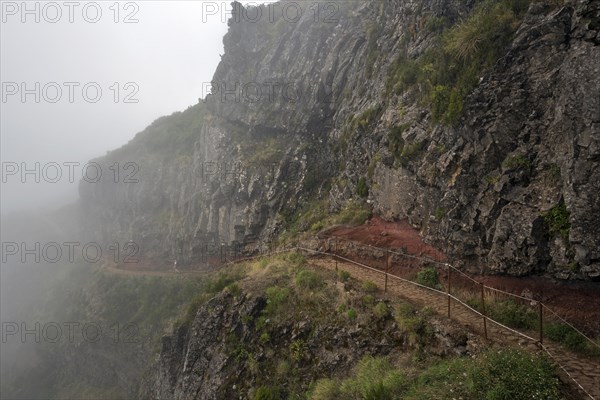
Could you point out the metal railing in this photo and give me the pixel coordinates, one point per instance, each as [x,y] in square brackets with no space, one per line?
[457,287]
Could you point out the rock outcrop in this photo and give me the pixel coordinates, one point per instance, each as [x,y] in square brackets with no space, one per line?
[303,109]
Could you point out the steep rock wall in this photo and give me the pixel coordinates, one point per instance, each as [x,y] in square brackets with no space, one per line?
[313,115]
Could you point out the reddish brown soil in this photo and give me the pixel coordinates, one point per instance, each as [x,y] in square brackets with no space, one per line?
[392,235]
[578,302]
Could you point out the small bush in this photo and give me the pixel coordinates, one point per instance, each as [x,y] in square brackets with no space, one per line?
[368,300]
[395,140]
[220,282]
[361,188]
[493,375]
[307,279]
[234,289]
[344,275]
[352,315]
[370,287]
[412,151]
[295,258]
[353,213]
[557,220]
[517,162]
[375,379]
[275,298]
[381,310]
[325,389]
[267,393]
[283,368]
[298,350]
[263,262]
[512,314]
[429,277]
[492,179]
[265,337]
[566,335]
[512,374]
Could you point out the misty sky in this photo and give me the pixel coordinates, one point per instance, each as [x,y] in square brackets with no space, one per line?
[162,61]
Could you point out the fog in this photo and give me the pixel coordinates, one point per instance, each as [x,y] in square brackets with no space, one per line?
[151,62]
[78,80]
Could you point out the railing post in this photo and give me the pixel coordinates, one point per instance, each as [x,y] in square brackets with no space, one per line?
[335,254]
[449,283]
[485,334]
[541,308]
[387,267]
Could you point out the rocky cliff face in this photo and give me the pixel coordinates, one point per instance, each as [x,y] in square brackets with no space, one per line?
[223,355]
[504,180]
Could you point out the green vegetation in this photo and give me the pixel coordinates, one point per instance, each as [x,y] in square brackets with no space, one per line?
[436,24]
[204,290]
[352,314]
[447,73]
[275,298]
[373,164]
[361,188]
[440,213]
[267,393]
[373,49]
[295,258]
[368,300]
[404,152]
[167,136]
[411,151]
[557,220]
[188,316]
[297,296]
[374,379]
[315,215]
[508,312]
[517,162]
[395,140]
[147,301]
[352,213]
[298,350]
[370,287]
[222,280]
[263,152]
[493,375]
[344,275]
[415,324]
[366,118]
[307,279]
[429,277]
[492,179]
[570,338]
[381,310]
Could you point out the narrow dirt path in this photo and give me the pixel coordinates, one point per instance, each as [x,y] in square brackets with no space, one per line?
[140,272]
[585,371]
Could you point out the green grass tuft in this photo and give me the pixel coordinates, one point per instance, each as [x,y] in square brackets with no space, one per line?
[557,220]
[307,279]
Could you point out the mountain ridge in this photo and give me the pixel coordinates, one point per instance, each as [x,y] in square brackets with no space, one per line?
[398,114]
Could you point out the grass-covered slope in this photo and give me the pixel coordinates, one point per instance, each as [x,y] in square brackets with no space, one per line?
[284,329]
